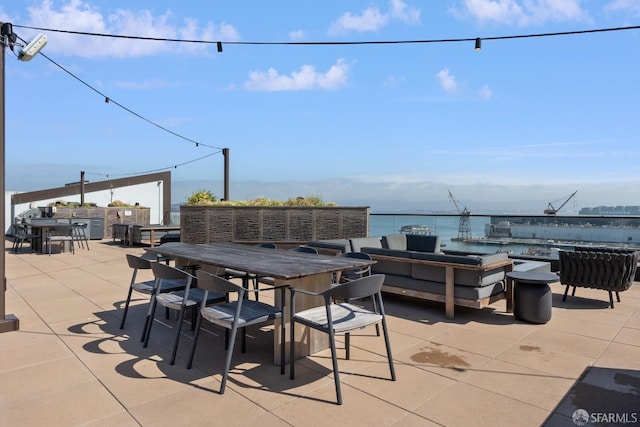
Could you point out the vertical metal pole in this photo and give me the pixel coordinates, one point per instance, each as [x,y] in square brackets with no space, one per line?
[225,153]
[7,322]
[81,188]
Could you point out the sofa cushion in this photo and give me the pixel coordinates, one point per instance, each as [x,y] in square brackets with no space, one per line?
[390,267]
[466,292]
[461,277]
[342,245]
[422,243]
[358,243]
[395,241]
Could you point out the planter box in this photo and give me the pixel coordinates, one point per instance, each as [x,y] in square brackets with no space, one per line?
[204,224]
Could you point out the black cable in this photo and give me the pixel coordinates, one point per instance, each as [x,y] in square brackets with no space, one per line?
[334,43]
[111,100]
[154,170]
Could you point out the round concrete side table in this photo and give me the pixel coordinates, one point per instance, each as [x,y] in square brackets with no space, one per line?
[532,295]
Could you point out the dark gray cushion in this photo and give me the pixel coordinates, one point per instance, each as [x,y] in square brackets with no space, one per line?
[461,277]
[342,245]
[421,243]
[390,267]
[358,243]
[466,292]
[395,241]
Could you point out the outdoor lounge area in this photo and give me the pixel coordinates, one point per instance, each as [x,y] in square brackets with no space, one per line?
[71,364]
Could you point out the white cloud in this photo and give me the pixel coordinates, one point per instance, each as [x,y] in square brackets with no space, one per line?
[77,15]
[630,6]
[404,13]
[297,35]
[522,12]
[447,81]
[485,92]
[145,85]
[307,78]
[372,19]
[394,81]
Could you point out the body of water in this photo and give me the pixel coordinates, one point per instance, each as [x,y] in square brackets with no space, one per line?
[446,227]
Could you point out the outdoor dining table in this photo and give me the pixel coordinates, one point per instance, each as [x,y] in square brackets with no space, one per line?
[302,270]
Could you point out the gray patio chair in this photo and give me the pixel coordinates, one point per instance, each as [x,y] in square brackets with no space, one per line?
[356,273]
[21,235]
[246,277]
[188,298]
[341,318]
[232,315]
[60,234]
[147,286]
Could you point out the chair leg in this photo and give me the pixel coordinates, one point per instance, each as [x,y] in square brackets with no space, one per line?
[610,299]
[618,296]
[566,291]
[347,345]
[388,345]
[334,360]
[573,293]
[149,322]
[375,308]
[227,363]
[126,307]
[196,334]
[176,339]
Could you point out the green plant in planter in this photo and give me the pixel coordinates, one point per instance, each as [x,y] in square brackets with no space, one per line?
[120,204]
[201,198]
[206,198]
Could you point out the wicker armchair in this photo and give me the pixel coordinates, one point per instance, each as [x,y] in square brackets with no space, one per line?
[597,268]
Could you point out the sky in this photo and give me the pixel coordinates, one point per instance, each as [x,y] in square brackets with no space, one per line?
[518,124]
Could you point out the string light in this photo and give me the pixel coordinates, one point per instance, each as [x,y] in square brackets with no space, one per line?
[332,43]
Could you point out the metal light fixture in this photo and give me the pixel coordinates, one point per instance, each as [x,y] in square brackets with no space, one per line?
[219,46]
[478,43]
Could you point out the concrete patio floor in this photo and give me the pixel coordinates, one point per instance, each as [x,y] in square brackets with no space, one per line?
[70,364]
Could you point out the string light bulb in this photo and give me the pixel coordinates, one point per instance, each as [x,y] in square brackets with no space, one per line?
[478,43]
[219,46]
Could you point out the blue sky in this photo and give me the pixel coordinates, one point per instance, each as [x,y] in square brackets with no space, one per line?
[513,126]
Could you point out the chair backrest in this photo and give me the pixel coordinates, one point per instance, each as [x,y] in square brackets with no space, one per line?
[304,249]
[167,272]
[138,262]
[212,283]
[20,230]
[267,245]
[357,288]
[61,230]
[357,272]
[357,255]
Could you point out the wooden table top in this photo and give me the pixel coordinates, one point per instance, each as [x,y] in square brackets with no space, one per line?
[279,264]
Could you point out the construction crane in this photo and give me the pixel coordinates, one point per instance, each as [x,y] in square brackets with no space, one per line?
[552,210]
[464,228]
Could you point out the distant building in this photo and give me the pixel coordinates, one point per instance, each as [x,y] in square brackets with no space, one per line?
[611,210]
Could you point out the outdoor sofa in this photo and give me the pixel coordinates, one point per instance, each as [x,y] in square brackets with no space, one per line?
[414,266]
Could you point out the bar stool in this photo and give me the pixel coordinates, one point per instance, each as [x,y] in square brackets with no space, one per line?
[80,233]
